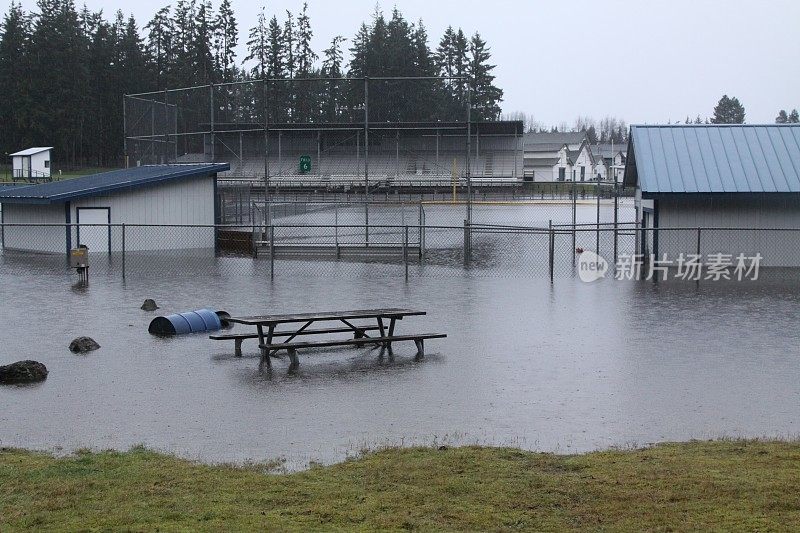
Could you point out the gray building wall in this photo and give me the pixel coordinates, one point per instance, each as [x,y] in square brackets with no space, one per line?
[756,211]
[188,201]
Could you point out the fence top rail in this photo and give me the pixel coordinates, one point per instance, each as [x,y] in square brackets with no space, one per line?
[473,227]
[298,81]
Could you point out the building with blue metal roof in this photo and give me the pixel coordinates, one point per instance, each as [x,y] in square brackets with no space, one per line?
[717,176]
[57,216]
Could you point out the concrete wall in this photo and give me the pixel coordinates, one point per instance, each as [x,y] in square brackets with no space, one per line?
[759,212]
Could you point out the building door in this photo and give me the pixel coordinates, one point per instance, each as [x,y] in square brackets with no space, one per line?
[96,238]
[26,167]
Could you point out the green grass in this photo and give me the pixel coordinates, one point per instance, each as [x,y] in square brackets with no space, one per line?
[5,173]
[730,485]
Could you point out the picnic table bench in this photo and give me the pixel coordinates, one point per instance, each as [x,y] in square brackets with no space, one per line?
[299,325]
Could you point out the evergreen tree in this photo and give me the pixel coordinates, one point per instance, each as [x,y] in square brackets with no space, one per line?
[201,48]
[425,102]
[226,37]
[258,49]
[93,62]
[306,94]
[782,117]
[290,60]
[332,66]
[359,51]
[58,116]
[728,111]
[794,117]
[445,54]
[304,56]
[14,79]
[183,39]
[160,45]
[486,97]
[276,70]
[591,134]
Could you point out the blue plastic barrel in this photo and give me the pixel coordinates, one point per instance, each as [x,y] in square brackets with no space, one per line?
[200,321]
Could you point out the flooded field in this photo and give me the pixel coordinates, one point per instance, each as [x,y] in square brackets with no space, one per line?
[565,367]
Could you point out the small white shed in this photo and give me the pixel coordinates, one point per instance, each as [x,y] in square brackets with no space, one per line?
[57,216]
[32,163]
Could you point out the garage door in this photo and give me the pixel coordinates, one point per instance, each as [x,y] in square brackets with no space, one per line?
[97,238]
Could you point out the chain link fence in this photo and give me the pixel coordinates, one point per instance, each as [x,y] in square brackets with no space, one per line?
[411,249]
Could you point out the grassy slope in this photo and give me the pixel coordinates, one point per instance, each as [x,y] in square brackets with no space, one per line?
[724,485]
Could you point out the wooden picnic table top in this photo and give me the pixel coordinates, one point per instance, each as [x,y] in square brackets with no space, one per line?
[321,316]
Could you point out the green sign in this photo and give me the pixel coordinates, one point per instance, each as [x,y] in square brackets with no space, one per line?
[305,164]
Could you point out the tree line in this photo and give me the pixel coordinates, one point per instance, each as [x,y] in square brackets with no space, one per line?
[606,130]
[64,71]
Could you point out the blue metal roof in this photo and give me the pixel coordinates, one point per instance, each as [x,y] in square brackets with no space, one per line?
[106,182]
[735,158]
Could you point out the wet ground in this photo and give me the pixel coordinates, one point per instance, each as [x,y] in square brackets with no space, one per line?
[566,367]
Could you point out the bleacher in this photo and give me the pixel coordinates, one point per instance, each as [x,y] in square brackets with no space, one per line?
[394,156]
[384,167]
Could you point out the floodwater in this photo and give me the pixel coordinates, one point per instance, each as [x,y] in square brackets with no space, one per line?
[567,367]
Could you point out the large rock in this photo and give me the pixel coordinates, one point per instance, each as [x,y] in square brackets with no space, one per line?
[149,305]
[22,372]
[83,345]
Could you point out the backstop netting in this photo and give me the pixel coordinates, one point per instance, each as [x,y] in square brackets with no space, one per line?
[358,130]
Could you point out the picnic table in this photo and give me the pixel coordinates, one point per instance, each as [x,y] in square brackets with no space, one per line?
[300,325]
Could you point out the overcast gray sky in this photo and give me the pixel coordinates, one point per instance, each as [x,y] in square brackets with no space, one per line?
[643,61]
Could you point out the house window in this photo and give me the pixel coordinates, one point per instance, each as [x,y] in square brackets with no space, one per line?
[583,173]
[47,164]
[562,174]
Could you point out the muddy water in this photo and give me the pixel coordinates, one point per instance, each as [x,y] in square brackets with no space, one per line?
[566,368]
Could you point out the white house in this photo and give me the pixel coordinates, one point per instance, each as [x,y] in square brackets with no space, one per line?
[32,163]
[557,157]
[157,194]
[609,161]
[718,189]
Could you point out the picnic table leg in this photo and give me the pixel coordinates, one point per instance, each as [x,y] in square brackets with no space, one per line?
[295,362]
[420,348]
[238,347]
[392,322]
[383,334]
[261,341]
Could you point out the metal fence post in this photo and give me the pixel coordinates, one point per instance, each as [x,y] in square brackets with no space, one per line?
[597,243]
[254,242]
[405,249]
[574,216]
[123,251]
[272,252]
[616,222]
[336,228]
[467,242]
[366,161]
[698,241]
[552,250]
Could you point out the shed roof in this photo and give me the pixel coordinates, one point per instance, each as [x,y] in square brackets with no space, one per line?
[32,151]
[107,182]
[735,158]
